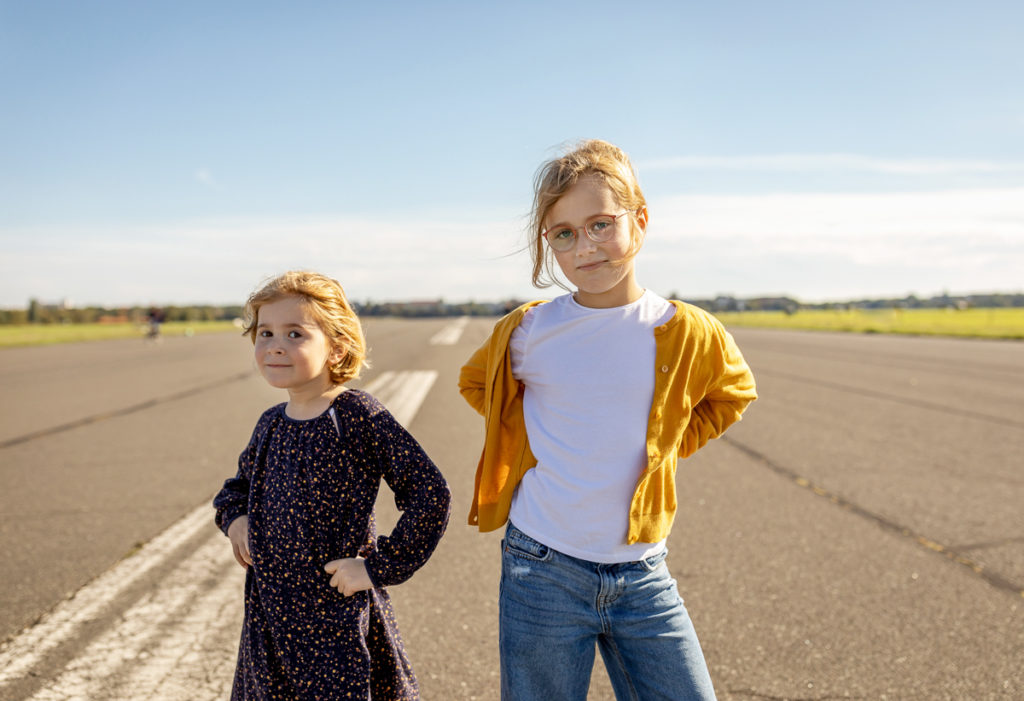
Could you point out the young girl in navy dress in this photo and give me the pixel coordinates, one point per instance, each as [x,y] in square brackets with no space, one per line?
[589,400]
[299,513]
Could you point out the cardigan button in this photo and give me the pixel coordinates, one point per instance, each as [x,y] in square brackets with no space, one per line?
[664,368]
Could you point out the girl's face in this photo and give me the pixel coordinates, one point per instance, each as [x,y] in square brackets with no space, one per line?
[292,351]
[600,272]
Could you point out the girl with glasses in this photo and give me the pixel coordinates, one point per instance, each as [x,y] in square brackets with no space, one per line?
[589,400]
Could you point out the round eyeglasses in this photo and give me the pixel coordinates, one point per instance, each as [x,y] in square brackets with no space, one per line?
[600,228]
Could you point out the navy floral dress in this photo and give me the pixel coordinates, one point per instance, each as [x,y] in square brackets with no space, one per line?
[309,488]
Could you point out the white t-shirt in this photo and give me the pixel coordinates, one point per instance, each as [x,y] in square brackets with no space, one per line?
[589,382]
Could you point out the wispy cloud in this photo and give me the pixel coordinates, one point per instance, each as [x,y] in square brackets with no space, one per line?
[809,245]
[830,246]
[829,216]
[205,178]
[834,162]
[221,261]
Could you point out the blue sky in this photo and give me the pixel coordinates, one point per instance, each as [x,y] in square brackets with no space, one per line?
[179,152]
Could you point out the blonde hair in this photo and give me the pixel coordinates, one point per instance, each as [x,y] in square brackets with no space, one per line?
[554,178]
[326,302]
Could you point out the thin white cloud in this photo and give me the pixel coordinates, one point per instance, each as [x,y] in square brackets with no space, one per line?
[842,215]
[809,245]
[835,162]
[819,246]
[205,178]
[223,260]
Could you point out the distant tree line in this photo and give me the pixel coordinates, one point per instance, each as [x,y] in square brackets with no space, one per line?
[791,306]
[63,313]
[982,301]
[39,313]
[434,308]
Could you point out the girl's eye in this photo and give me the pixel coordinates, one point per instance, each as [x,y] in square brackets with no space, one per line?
[564,234]
[600,225]
[294,334]
[265,334]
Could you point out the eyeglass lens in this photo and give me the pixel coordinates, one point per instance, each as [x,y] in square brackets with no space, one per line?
[599,230]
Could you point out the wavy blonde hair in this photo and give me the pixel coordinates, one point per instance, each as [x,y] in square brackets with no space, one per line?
[554,178]
[327,304]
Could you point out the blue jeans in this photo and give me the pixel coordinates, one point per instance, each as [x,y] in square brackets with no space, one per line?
[553,609]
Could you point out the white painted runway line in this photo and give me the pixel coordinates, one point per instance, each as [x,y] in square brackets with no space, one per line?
[122,662]
[178,642]
[450,334]
[402,392]
[62,623]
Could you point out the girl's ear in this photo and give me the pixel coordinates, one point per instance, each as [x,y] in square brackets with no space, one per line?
[338,354]
[641,218]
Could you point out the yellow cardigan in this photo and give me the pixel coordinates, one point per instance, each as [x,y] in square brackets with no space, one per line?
[701,387]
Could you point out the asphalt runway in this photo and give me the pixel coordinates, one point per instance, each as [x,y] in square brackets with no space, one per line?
[858,535]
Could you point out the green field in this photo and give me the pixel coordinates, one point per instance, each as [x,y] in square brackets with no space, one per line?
[46,334]
[1006,322]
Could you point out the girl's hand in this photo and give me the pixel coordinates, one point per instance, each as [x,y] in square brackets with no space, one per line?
[350,575]
[238,533]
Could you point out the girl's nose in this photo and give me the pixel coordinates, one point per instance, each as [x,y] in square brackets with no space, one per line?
[584,245]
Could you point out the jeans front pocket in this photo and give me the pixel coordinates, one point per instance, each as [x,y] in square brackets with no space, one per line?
[655,561]
[518,544]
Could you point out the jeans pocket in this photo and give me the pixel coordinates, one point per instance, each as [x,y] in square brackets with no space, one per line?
[518,544]
[655,561]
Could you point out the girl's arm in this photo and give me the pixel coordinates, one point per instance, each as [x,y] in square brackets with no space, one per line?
[422,495]
[232,505]
[472,378]
[508,336]
[730,388]
[233,499]
[238,533]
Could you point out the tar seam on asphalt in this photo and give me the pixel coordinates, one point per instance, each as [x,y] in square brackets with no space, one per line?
[916,403]
[911,362]
[994,579]
[95,418]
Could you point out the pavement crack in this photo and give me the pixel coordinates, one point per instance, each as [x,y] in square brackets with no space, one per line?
[999,542]
[908,401]
[957,555]
[141,406]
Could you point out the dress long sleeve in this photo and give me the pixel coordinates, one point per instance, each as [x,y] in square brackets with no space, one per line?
[233,499]
[421,494]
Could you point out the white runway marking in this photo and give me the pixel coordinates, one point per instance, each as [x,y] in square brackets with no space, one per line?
[63,622]
[121,662]
[402,392]
[179,641]
[451,333]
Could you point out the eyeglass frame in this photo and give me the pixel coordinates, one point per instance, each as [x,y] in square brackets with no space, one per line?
[586,228]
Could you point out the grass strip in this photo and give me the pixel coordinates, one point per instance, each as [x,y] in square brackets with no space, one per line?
[48,334]
[1007,322]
